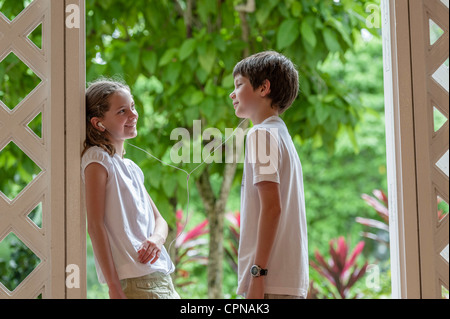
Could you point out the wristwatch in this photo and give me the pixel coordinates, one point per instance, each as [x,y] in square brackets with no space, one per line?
[257,271]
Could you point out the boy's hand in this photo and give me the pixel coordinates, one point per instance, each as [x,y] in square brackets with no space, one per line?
[150,249]
[256,288]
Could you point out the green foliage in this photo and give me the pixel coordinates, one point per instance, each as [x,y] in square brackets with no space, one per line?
[335,181]
[179,65]
[188,53]
[16,263]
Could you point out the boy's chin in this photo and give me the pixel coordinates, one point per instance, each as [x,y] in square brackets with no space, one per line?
[240,114]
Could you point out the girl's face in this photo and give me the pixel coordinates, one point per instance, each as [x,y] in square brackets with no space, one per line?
[245,97]
[121,119]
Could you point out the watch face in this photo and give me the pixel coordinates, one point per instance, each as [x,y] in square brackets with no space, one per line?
[254,270]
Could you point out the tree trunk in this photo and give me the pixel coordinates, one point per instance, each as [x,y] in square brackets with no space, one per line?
[215,210]
[215,207]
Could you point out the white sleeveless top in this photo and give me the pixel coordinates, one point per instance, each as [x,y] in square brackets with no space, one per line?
[129,217]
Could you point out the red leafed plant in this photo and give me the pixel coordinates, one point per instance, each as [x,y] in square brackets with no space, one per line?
[188,247]
[341,270]
[231,250]
[380,204]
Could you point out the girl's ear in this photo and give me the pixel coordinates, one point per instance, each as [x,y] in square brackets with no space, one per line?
[264,89]
[95,121]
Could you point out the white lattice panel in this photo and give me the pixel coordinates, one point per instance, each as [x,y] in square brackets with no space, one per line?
[47,151]
[430,53]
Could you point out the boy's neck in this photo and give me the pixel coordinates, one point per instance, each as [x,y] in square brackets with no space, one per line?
[263,115]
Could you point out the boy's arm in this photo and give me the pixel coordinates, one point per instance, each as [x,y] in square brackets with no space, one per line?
[151,248]
[95,183]
[269,197]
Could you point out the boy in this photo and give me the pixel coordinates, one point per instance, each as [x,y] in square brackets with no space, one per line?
[273,248]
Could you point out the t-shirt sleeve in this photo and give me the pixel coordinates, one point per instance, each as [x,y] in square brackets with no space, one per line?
[264,155]
[95,155]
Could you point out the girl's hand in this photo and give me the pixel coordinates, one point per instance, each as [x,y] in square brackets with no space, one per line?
[116,293]
[150,249]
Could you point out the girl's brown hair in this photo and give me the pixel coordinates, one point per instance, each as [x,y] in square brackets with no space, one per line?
[97,104]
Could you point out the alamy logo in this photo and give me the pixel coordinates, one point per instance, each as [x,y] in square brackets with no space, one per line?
[262,150]
[262,146]
[73,16]
[73,276]
[374,18]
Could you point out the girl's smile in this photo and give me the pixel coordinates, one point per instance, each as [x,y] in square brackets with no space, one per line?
[121,118]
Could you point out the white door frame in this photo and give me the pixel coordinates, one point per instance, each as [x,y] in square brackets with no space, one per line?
[416,237]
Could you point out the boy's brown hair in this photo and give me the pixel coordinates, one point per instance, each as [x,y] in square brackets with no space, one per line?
[278,69]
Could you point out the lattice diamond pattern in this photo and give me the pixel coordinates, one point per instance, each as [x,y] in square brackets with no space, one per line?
[35,36]
[22,122]
[435,32]
[18,166]
[20,263]
[439,119]
[16,73]
[438,105]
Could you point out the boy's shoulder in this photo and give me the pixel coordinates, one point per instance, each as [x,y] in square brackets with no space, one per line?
[273,125]
[271,122]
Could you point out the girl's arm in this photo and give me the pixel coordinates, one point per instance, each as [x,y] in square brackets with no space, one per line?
[95,183]
[151,249]
[269,198]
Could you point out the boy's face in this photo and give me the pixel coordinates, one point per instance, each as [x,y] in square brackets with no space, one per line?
[245,98]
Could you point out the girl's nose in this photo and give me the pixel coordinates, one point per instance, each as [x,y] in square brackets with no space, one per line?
[232,95]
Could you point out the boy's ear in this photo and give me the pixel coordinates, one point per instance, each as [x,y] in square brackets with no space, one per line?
[264,89]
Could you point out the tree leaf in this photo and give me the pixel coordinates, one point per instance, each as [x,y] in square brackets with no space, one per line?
[132,51]
[287,33]
[331,40]
[169,183]
[207,60]
[308,34]
[187,48]
[167,56]
[149,60]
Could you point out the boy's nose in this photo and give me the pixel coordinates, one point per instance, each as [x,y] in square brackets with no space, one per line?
[232,95]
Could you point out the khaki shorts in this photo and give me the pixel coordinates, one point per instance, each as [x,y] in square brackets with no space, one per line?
[273,296]
[152,286]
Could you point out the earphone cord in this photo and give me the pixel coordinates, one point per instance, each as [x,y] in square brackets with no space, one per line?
[188,175]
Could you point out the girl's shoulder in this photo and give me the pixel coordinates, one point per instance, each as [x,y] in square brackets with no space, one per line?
[95,154]
[95,150]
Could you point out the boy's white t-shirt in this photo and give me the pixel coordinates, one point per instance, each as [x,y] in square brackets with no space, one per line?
[129,218]
[273,157]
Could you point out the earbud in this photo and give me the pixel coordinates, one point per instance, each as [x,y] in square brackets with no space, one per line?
[101,125]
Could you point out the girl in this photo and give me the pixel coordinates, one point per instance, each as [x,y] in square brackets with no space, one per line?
[126,229]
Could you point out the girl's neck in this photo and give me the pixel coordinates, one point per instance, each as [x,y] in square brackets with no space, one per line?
[119,148]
